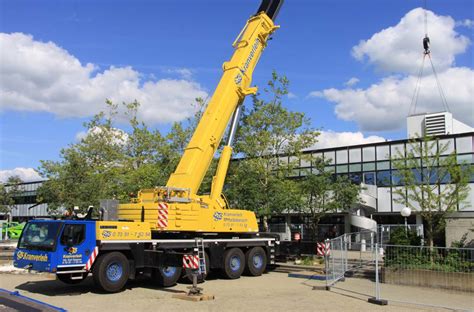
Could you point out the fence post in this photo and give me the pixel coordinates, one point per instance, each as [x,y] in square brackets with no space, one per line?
[376,299]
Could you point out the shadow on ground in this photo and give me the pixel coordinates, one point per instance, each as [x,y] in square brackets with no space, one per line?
[56,288]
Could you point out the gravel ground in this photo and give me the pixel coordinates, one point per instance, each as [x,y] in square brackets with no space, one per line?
[270,292]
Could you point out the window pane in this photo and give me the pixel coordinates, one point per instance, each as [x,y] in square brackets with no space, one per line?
[369,153]
[463,159]
[464,145]
[383,178]
[294,161]
[447,145]
[368,166]
[355,178]
[369,178]
[398,151]
[73,234]
[304,161]
[341,157]
[330,169]
[382,152]
[355,167]
[396,178]
[413,147]
[354,155]
[282,161]
[330,156]
[341,168]
[383,165]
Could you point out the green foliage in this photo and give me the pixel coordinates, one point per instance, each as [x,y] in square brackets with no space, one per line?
[8,192]
[425,258]
[111,163]
[402,236]
[322,194]
[268,131]
[422,169]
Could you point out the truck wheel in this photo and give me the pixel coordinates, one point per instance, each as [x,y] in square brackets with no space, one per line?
[256,261]
[201,277]
[67,278]
[166,276]
[234,263]
[111,271]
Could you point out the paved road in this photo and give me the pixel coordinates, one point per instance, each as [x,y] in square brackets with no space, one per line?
[271,292]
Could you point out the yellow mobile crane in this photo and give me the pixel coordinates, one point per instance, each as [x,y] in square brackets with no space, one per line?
[177,206]
[169,227]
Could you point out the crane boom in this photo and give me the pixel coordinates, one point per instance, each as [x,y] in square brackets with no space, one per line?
[177,207]
[229,94]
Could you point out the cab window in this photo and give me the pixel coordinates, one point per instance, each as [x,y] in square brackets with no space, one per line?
[73,234]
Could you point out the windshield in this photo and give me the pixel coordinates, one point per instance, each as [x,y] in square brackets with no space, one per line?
[40,236]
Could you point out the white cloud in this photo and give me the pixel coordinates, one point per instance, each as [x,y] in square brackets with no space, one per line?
[385,105]
[291,95]
[468,23]
[399,48]
[315,94]
[118,136]
[25,174]
[39,76]
[335,139]
[351,82]
[184,73]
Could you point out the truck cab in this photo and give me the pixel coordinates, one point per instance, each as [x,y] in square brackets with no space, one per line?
[56,246]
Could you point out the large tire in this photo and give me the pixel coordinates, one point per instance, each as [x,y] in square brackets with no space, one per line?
[234,263]
[166,276]
[201,277]
[111,271]
[66,278]
[255,261]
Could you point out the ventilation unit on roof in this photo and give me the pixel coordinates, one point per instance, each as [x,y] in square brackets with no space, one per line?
[435,124]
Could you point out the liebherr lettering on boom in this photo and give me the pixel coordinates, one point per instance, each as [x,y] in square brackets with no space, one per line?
[159,227]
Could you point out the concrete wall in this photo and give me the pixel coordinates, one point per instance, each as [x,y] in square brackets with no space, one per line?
[459,225]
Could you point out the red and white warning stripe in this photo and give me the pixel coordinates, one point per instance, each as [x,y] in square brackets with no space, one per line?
[191,262]
[92,258]
[323,249]
[162,215]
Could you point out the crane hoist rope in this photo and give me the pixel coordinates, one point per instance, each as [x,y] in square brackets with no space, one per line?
[426,54]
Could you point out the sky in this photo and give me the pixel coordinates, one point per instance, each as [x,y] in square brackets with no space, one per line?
[352,65]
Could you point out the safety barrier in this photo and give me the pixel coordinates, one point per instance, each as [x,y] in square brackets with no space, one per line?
[435,267]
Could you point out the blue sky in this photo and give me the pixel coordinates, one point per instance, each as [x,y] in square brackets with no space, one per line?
[189,40]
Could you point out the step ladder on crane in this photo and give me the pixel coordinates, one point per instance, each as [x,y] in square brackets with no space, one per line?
[199,249]
[197,263]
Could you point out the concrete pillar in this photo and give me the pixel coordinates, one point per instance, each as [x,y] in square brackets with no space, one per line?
[419,224]
[347,224]
[287,227]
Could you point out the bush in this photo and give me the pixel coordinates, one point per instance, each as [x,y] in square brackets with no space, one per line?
[400,236]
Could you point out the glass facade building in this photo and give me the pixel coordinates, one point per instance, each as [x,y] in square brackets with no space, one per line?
[371,164]
[26,206]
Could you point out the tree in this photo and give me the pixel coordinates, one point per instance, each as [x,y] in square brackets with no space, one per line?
[8,192]
[112,163]
[325,194]
[433,181]
[268,133]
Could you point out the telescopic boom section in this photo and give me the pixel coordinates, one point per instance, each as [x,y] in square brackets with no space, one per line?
[229,94]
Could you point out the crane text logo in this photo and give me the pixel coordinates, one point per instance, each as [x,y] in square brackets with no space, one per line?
[217,216]
[238,78]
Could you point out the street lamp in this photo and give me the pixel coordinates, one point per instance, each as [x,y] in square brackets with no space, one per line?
[406,212]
